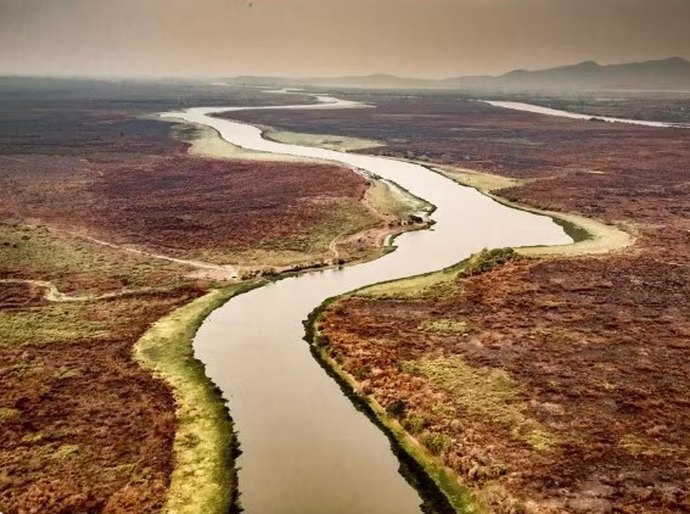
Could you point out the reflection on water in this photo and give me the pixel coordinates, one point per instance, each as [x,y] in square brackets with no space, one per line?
[305,448]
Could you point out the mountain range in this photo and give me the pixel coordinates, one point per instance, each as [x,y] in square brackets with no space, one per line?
[664,74]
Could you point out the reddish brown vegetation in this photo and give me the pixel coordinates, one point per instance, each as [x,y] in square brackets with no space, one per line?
[177,204]
[597,347]
[74,408]
[82,427]
[599,350]
[19,295]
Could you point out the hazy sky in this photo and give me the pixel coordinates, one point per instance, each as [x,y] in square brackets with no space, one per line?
[332,37]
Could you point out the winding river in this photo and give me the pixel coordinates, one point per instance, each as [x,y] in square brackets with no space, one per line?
[305,448]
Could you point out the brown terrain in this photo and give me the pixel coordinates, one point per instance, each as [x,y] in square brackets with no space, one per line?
[549,385]
[82,427]
[74,401]
[557,384]
[145,191]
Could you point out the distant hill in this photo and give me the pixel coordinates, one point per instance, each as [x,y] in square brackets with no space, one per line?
[665,74]
[379,80]
[673,73]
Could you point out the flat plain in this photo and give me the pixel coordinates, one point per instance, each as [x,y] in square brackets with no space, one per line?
[549,384]
[108,224]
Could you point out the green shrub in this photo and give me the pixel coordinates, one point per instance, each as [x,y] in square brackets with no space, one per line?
[435,442]
[486,260]
[397,408]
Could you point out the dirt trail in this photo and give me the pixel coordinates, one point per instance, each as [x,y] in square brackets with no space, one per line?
[202,269]
[53,294]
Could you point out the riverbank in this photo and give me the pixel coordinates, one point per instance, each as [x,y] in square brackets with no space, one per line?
[584,353]
[367,381]
[410,431]
[439,486]
[590,236]
[70,312]
[353,230]
[95,245]
[462,380]
[204,476]
[244,372]
[534,369]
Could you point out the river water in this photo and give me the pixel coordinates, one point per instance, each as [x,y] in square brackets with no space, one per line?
[305,448]
[520,106]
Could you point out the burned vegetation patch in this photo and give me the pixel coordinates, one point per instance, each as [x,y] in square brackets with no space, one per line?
[73,401]
[565,375]
[549,385]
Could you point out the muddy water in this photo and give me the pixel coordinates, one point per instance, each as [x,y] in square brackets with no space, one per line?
[520,106]
[305,448]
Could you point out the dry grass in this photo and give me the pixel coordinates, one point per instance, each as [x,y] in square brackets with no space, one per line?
[489,393]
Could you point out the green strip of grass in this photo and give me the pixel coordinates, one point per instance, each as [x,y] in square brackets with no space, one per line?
[489,393]
[204,477]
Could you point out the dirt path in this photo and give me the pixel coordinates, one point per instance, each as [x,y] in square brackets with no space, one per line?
[202,269]
[53,294]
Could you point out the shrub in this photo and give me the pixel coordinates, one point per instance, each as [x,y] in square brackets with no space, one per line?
[435,442]
[486,260]
[397,408]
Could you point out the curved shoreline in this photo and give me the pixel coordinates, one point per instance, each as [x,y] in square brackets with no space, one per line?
[428,471]
[204,477]
[184,494]
[439,486]
[590,236]
[458,495]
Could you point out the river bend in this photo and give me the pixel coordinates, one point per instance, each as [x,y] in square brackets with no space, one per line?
[305,448]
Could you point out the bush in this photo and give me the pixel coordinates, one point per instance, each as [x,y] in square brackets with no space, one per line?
[434,442]
[397,408]
[486,260]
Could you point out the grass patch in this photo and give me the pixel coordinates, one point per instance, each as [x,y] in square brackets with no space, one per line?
[486,260]
[439,284]
[8,413]
[484,182]
[74,263]
[329,142]
[591,237]
[445,326]
[65,451]
[435,284]
[203,479]
[65,322]
[489,393]
[388,199]
[206,142]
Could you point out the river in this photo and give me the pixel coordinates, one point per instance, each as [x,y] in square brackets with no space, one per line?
[538,109]
[305,448]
